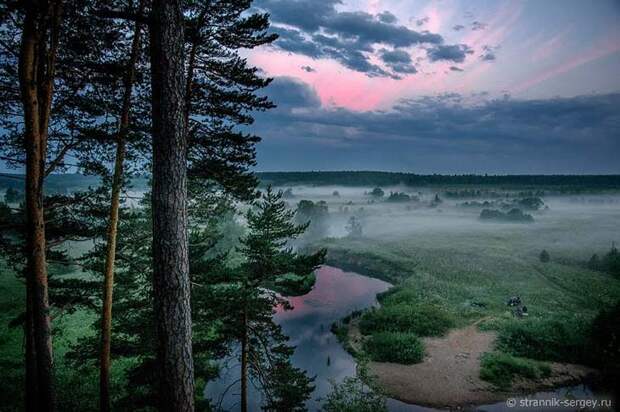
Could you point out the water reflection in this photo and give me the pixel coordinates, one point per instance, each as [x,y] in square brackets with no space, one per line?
[335,295]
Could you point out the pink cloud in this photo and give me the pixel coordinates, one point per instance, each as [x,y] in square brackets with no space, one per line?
[334,84]
[607,45]
[547,48]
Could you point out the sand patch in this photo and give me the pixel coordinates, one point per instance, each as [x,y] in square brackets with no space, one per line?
[449,375]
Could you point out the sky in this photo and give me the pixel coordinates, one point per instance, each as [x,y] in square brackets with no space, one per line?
[441,86]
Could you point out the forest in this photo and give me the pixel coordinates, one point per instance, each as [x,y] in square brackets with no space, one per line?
[147,265]
[564,183]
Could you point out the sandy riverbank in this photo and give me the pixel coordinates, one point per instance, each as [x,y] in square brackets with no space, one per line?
[449,375]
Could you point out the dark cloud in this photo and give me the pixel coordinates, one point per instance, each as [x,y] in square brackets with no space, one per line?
[369,30]
[308,69]
[316,29]
[454,52]
[294,41]
[387,17]
[488,53]
[456,69]
[477,25]
[397,60]
[458,27]
[304,14]
[445,133]
[395,56]
[288,93]
[422,21]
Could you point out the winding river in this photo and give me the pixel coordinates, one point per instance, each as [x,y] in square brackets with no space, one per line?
[335,295]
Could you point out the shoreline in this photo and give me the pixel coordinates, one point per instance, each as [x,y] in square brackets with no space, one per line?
[448,377]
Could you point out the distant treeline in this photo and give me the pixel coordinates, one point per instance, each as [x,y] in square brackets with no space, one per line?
[371,179]
[60,183]
[63,183]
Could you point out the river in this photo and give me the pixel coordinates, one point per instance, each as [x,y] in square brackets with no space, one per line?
[335,295]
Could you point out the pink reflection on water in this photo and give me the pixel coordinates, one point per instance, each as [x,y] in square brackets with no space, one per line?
[335,291]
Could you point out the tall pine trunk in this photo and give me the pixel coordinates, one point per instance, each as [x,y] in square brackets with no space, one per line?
[244,363]
[36,77]
[117,182]
[171,286]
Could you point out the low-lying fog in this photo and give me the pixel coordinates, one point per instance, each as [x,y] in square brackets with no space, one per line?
[587,222]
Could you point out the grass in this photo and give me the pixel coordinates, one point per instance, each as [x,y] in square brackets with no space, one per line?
[397,347]
[501,369]
[447,278]
[77,387]
[561,339]
[406,317]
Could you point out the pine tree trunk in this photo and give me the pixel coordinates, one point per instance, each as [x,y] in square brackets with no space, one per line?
[244,364]
[31,358]
[36,86]
[171,287]
[117,181]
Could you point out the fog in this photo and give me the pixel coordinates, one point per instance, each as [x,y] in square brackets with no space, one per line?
[582,224]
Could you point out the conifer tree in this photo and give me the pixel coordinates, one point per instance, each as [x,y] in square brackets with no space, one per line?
[264,355]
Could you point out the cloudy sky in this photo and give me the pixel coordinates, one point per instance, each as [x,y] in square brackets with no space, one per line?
[442,86]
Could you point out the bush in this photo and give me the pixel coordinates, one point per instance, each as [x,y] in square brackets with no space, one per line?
[397,347]
[500,369]
[544,256]
[561,340]
[514,215]
[604,343]
[399,197]
[420,319]
[377,192]
[356,394]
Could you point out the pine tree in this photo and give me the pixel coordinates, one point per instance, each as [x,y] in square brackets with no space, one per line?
[264,355]
[171,287]
[129,75]
[221,92]
[57,69]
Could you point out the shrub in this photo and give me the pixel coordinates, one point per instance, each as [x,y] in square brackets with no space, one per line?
[377,192]
[604,343]
[397,347]
[561,340]
[500,369]
[356,394]
[420,319]
[514,215]
[399,197]
[531,203]
[544,256]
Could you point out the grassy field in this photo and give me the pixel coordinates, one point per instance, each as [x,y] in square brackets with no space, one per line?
[452,278]
[77,385]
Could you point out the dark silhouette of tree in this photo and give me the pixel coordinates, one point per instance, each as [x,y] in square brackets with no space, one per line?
[377,192]
[264,354]
[316,215]
[13,196]
[171,287]
[354,227]
[128,80]
[544,256]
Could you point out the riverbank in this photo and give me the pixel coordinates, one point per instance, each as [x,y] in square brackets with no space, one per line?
[449,375]
[468,278]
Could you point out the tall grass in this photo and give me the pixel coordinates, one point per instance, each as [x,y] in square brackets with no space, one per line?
[397,347]
[561,339]
[501,369]
[419,319]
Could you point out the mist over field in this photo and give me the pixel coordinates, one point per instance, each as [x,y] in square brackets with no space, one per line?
[566,223]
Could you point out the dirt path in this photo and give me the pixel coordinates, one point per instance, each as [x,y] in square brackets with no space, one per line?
[449,374]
